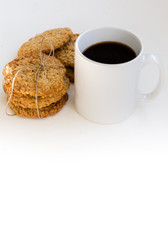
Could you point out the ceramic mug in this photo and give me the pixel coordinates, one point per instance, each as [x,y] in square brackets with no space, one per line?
[108,93]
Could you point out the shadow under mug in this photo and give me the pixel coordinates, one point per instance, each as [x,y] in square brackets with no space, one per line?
[108,93]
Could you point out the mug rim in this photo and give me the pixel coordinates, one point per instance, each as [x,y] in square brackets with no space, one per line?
[108,64]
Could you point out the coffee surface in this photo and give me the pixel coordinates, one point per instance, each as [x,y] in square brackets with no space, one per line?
[109,52]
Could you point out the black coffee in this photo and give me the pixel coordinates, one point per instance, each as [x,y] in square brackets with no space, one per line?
[110,52]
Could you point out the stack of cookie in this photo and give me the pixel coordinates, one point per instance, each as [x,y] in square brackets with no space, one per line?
[50,90]
[36,83]
[62,41]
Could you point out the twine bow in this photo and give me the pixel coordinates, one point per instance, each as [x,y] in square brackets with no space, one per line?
[41,66]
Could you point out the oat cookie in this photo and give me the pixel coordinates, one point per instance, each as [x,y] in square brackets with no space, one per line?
[66,53]
[70,73]
[50,110]
[51,78]
[58,38]
[27,101]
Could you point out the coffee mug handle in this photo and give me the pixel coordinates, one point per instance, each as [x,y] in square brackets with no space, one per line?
[147,59]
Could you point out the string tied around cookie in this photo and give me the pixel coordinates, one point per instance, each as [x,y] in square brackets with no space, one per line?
[40,67]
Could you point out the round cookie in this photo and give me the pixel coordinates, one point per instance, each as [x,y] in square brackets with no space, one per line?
[51,76]
[58,38]
[66,53]
[27,101]
[50,110]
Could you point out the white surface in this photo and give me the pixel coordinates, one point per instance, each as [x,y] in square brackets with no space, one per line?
[66,178]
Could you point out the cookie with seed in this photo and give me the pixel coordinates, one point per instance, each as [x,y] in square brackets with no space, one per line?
[27,101]
[50,110]
[66,53]
[35,76]
[70,73]
[57,37]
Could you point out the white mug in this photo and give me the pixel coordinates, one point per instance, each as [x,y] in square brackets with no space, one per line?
[108,93]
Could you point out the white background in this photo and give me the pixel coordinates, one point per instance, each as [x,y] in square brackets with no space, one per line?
[64,177]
